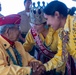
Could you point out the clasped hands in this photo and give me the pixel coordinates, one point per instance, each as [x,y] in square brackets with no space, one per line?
[37,68]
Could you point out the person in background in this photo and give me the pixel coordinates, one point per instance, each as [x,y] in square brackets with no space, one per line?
[59,17]
[44,40]
[13,58]
[25,19]
[0,10]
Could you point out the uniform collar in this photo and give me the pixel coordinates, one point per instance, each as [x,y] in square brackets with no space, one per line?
[5,42]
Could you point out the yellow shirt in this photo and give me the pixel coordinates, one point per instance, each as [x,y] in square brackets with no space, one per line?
[50,40]
[56,61]
[13,69]
[70,26]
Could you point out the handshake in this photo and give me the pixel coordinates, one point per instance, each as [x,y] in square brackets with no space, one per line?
[37,68]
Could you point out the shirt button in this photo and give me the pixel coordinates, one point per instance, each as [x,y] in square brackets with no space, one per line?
[5,45]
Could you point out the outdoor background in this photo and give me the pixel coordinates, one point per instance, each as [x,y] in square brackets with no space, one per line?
[15,6]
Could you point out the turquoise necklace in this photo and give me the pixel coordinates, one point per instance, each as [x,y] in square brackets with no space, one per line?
[18,57]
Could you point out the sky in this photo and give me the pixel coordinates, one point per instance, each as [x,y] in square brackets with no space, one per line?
[15,6]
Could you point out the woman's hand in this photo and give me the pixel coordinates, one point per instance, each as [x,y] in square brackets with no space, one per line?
[37,67]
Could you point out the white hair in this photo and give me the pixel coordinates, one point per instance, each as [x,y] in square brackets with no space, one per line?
[4,27]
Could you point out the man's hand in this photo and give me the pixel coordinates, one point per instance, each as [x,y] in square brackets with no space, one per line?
[37,67]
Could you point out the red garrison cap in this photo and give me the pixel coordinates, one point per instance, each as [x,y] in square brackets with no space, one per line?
[10,19]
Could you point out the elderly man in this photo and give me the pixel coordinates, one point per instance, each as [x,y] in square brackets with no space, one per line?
[13,58]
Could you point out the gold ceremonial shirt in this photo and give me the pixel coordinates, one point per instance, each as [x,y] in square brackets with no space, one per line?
[12,69]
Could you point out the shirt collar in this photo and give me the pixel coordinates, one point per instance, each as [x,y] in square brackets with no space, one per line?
[6,43]
[11,43]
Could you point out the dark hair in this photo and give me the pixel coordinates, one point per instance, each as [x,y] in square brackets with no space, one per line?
[72,10]
[4,27]
[56,6]
[25,1]
[0,7]
[44,23]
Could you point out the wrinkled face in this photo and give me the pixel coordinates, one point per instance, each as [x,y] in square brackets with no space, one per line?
[13,34]
[53,21]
